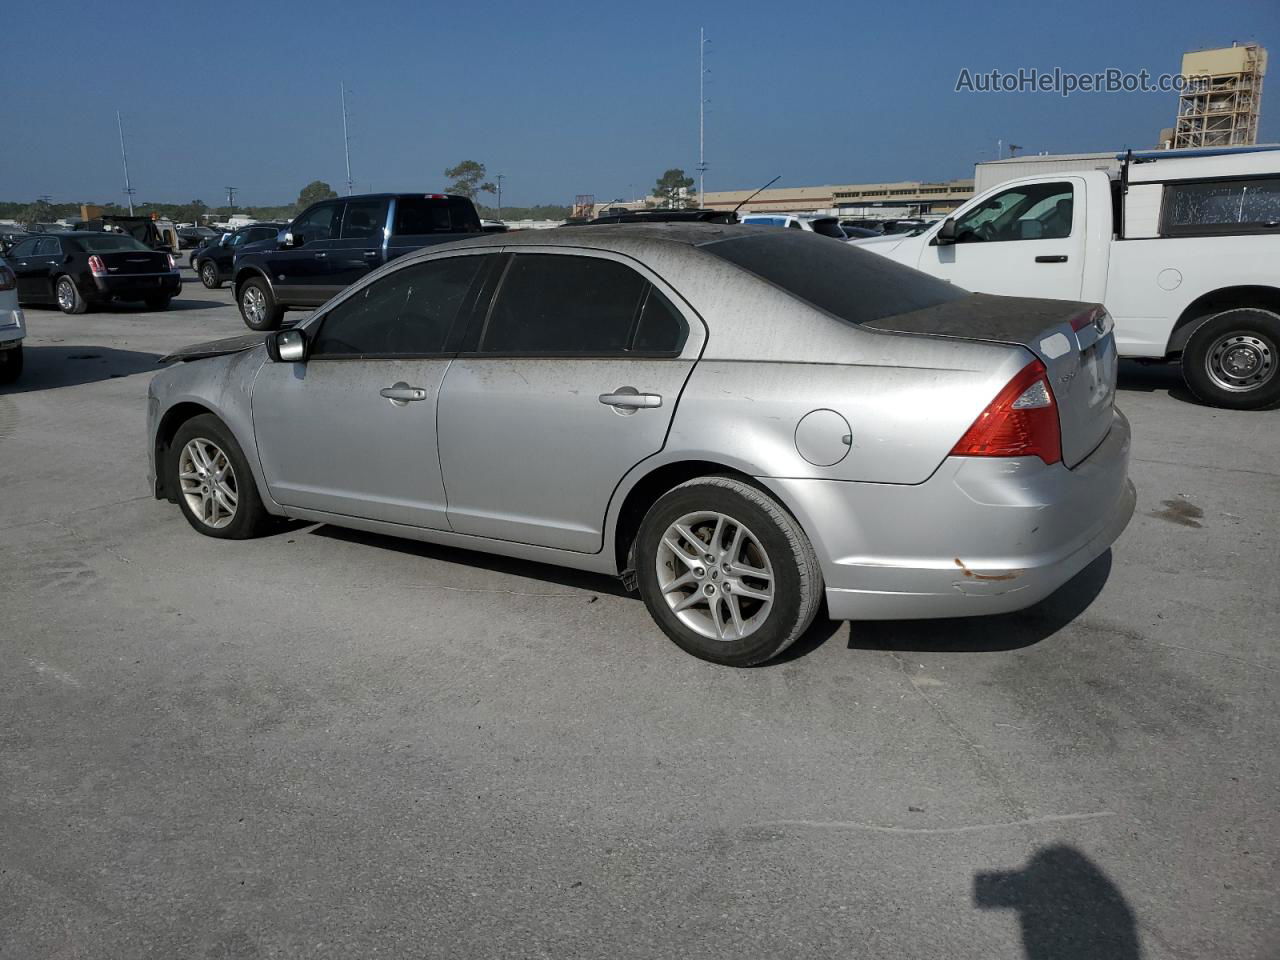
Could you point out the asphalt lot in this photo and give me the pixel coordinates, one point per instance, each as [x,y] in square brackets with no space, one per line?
[332,744]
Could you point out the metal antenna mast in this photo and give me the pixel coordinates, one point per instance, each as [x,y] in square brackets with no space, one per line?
[346,140]
[500,177]
[702,102]
[128,187]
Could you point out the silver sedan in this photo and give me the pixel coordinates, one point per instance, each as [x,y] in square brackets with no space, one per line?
[742,424]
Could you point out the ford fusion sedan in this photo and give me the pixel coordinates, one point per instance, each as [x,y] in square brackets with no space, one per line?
[80,270]
[741,423]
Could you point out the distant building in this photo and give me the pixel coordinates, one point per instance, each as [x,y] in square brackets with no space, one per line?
[903,198]
[1220,108]
[991,172]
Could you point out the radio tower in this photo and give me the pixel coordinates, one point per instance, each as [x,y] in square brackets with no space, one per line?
[702,103]
[346,141]
[128,187]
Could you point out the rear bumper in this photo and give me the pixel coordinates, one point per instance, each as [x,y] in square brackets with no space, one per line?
[981,536]
[13,327]
[138,286]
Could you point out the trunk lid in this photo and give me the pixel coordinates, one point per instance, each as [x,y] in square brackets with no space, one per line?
[1074,341]
[124,262]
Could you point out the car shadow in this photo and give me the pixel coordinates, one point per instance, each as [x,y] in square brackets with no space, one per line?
[50,367]
[1135,376]
[990,634]
[1067,908]
[530,569]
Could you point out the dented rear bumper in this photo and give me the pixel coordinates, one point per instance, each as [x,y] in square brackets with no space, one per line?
[980,536]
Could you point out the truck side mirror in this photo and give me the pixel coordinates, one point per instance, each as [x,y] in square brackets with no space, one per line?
[290,239]
[946,233]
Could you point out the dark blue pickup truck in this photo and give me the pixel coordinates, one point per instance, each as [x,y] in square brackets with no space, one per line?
[334,243]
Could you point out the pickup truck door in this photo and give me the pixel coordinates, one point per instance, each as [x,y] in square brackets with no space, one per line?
[299,274]
[360,244]
[1025,240]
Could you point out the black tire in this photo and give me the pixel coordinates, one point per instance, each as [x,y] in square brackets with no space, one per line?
[10,364]
[209,274]
[158,303]
[250,518]
[67,296]
[796,578]
[1233,359]
[270,313]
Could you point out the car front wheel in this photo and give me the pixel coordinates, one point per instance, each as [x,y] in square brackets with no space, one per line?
[209,275]
[258,307]
[726,572]
[214,484]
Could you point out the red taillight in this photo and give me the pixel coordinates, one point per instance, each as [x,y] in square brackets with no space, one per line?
[97,267]
[7,280]
[1022,421]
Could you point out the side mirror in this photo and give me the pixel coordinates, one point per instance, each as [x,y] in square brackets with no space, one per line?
[290,239]
[946,233]
[287,346]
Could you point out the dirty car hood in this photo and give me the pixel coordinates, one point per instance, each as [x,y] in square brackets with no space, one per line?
[216,348]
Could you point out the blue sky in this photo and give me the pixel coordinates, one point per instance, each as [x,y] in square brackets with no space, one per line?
[567,98]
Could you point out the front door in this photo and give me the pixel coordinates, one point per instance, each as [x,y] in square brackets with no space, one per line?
[1027,240]
[573,382]
[352,431]
[300,273]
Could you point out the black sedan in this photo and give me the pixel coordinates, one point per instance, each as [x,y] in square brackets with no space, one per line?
[189,237]
[213,261]
[75,271]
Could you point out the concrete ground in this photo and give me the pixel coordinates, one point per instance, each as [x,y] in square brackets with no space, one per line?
[332,744]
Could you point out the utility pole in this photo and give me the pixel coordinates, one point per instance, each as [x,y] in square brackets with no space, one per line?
[128,187]
[346,140]
[500,177]
[231,201]
[702,102]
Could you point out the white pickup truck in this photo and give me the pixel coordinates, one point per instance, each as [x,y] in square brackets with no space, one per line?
[1181,247]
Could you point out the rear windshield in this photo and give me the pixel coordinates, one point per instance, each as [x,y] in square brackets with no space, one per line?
[850,284]
[108,242]
[828,228]
[419,215]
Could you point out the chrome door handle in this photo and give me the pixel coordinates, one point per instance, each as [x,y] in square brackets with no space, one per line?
[401,393]
[371,254]
[320,256]
[629,398]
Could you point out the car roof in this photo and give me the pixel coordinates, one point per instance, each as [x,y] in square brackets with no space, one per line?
[617,237]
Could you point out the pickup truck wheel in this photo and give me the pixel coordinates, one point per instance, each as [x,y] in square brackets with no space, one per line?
[69,299]
[258,307]
[10,364]
[1233,359]
[726,572]
[209,274]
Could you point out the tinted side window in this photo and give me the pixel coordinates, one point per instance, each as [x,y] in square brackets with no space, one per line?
[48,247]
[661,328]
[25,249]
[421,215]
[261,233]
[1232,206]
[408,312]
[320,223]
[564,305]
[364,219]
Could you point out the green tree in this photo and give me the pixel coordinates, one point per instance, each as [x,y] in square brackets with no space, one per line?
[39,212]
[468,180]
[192,212]
[314,191]
[674,189]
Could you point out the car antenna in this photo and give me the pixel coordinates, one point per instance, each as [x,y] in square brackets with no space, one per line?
[757,193]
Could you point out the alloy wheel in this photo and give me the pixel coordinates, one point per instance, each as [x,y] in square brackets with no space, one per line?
[715,575]
[255,305]
[208,482]
[66,294]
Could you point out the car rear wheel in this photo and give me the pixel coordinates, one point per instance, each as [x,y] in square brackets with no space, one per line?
[215,488]
[10,364]
[726,572]
[68,295]
[1233,359]
[258,307]
[209,275]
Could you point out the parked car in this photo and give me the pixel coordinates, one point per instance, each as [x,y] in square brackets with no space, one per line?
[743,423]
[214,263]
[79,270]
[191,237]
[13,327]
[334,243]
[863,223]
[687,215]
[1181,248]
[152,233]
[827,226]
[858,233]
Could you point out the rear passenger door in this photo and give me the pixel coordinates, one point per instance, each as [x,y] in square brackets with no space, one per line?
[360,241]
[30,271]
[568,381]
